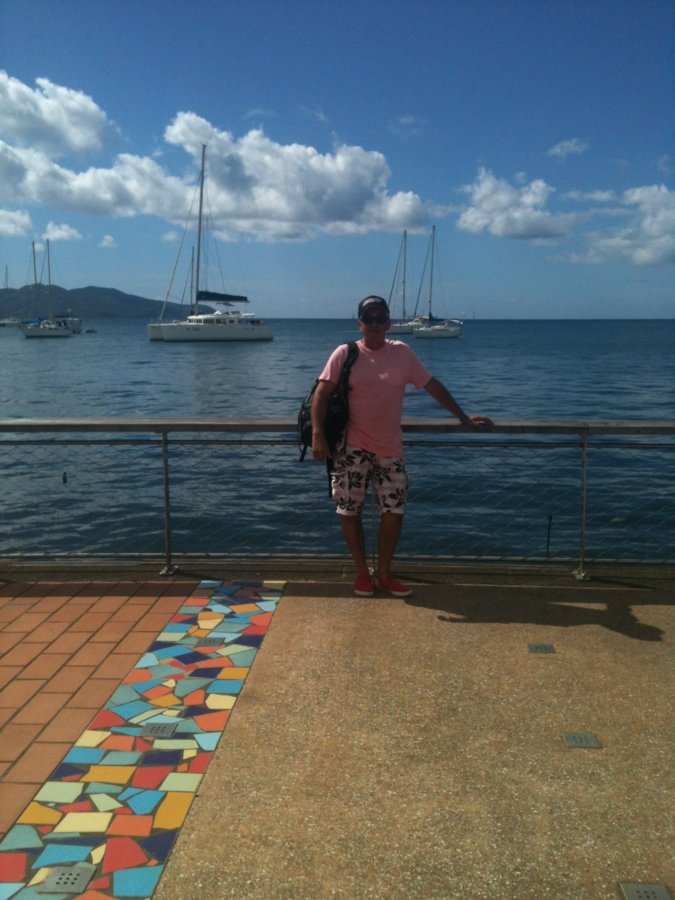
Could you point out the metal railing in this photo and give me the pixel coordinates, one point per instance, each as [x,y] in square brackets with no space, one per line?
[526,491]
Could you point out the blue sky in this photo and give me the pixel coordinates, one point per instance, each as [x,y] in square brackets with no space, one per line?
[537,135]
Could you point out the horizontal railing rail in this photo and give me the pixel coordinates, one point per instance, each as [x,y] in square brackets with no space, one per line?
[490,489]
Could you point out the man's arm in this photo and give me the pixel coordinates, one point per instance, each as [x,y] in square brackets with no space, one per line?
[322,394]
[444,398]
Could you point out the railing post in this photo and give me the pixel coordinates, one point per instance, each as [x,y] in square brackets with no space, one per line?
[169,568]
[579,573]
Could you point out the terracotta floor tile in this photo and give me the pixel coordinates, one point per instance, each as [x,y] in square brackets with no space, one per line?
[92,654]
[14,739]
[127,614]
[52,603]
[94,694]
[9,672]
[68,726]
[19,691]
[116,665]
[46,665]
[15,798]
[153,622]
[6,713]
[68,679]
[7,641]
[37,763]
[26,622]
[22,654]
[48,631]
[69,642]
[41,709]
[69,613]
[137,642]
[90,621]
[113,631]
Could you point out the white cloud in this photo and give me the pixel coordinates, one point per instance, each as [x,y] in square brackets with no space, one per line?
[647,240]
[51,118]
[291,191]
[14,224]
[256,186]
[565,149]
[507,211]
[56,232]
[108,242]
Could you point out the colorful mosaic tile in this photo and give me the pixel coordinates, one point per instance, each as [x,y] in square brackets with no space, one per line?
[115,804]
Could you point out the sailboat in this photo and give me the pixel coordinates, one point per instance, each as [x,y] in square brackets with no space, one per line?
[404,324]
[50,327]
[220,324]
[429,326]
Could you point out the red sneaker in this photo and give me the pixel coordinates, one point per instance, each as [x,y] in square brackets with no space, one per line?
[394,587]
[363,586]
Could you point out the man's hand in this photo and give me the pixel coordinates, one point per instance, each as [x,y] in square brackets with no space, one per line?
[478,422]
[320,448]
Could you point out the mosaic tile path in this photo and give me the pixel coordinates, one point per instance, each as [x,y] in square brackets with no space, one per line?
[104,823]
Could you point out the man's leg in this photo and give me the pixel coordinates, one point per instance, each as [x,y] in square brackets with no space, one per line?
[390,531]
[352,530]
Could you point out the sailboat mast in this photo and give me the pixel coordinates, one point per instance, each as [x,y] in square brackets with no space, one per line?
[36,289]
[49,282]
[405,256]
[431,273]
[199,228]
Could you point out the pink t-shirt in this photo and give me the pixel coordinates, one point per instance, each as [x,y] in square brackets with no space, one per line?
[377,380]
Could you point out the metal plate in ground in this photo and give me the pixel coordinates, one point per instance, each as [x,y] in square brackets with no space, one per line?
[644,891]
[210,642]
[581,739]
[67,880]
[159,730]
[541,648]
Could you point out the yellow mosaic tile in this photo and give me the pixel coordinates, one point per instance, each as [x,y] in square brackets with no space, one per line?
[91,738]
[109,774]
[37,814]
[85,822]
[220,701]
[236,672]
[166,700]
[172,810]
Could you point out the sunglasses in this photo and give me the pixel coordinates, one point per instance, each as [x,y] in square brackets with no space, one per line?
[379,320]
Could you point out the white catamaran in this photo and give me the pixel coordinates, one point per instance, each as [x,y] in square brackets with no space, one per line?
[219,324]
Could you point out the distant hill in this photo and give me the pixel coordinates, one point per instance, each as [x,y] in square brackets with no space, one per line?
[86,302]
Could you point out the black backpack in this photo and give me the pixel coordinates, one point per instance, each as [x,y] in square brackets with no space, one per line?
[338,409]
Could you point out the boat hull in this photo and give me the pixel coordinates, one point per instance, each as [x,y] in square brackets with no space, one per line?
[438,331]
[44,330]
[182,331]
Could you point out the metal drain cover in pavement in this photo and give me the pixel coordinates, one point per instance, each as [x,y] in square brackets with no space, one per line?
[210,642]
[159,730]
[67,879]
[644,891]
[581,739]
[541,648]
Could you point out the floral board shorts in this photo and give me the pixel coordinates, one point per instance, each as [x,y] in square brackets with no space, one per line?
[354,470]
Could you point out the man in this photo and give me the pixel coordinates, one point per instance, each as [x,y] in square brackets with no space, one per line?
[374,447]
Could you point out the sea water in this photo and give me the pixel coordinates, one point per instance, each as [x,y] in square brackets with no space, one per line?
[589,370]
